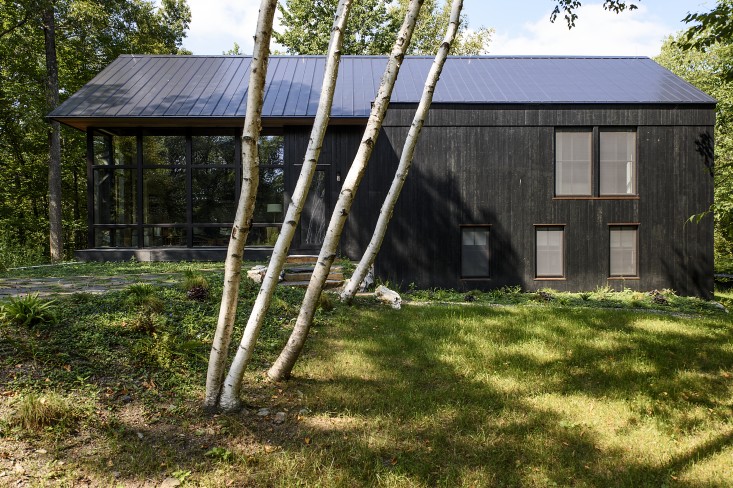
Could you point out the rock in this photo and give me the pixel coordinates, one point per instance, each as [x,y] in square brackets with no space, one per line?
[390,297]
[263,412]
[279,417]
[19,469]
[304,411]
[170,483]
[126,399]
[257,273]
[719,306]
[140,435]
[368,281]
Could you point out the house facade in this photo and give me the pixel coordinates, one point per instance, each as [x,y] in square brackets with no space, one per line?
[562,172]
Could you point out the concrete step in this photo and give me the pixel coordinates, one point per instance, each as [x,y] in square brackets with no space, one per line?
[306,275]
[304,284]
[301,259]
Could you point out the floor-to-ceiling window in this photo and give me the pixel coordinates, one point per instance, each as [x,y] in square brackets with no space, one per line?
[176,188]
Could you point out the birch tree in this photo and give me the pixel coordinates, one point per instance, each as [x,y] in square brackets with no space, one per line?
[284,364]
[232,384]
[408,152]
[245,206]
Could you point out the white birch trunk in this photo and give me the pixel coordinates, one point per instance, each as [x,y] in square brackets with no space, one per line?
[245,207]
[284,364]
[408,152]
[232,384]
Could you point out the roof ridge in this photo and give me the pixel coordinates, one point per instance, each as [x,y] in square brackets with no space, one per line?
[384,56]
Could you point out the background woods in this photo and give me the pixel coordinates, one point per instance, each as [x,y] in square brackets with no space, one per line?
[88,35]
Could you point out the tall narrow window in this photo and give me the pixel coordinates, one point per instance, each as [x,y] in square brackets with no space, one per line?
[573,163]
[618,162]
[474,252]
[624,251]
[550,250]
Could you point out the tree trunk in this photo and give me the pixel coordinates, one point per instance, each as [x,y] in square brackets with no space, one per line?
[54,137]
[232,383]
[408,152]
[245,207]
[284,364]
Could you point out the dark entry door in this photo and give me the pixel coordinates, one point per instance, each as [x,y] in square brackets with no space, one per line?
[314,219]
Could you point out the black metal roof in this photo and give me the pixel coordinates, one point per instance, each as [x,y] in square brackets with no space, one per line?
[135,86]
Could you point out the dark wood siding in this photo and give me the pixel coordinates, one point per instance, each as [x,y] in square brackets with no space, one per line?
[495,165]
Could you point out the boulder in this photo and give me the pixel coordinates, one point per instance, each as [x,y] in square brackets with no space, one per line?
[390,297]
[257,273]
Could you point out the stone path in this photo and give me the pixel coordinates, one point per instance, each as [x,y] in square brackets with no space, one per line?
[12,287]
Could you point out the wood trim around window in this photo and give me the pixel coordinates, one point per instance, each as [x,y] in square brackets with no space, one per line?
[564,259]
[474,226]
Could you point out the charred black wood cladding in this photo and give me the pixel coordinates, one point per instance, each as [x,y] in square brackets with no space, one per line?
[495,165]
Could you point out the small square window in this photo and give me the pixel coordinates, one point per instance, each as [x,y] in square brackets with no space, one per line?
[618,163]
[474,252]
[573,151]
[624,260]
[550,252]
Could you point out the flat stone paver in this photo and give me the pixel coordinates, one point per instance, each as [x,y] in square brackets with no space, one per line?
[13,287]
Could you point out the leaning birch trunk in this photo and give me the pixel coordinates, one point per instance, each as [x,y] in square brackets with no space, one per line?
[232,384]
[245,207]
[284,364]
[408,152]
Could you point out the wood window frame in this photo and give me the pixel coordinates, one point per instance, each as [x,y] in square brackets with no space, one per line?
[635,225]
[595,163]
[562,277]
[488,242]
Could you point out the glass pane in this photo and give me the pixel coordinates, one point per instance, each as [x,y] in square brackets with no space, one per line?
[263,236]
[164,237]
[573,163]
[475,252]
[164,196]
[618,163]
[313,222]
[550,259]
[211,236]
[213,195]
[623,251]
[115,237]
[125,150]
[115,196]
[269,207]
[272,150]
[212,150]
[164,150]
[102,150]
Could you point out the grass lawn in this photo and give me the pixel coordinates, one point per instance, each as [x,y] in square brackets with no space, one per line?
[507,390]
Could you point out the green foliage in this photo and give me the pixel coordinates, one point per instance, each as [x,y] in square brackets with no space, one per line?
[372,28]
[568,9]
[28,311]
[89,35]
[143,297]
[708,29]
[195,285]
[707,68]
[220,454]
[14,254]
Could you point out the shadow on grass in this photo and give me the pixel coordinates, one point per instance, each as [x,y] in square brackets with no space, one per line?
[524,396]
[426,396]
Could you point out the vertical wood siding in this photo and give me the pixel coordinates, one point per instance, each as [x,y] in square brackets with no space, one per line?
[496,166]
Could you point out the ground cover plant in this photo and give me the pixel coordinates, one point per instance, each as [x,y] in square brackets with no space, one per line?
[456,389]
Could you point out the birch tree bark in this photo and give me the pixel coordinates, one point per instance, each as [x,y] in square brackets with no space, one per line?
[284,364]
[56,241]
[408,152]
[232,384]
[245,207]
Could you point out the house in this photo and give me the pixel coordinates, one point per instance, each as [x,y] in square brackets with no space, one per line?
[563,172]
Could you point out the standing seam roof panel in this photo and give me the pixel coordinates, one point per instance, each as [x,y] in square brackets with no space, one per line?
[163,72]
[91,89]
[230,90]
[222,73]
[210,70]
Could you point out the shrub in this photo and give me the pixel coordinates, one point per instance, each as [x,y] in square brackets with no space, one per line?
[28,310]
[36,412]
[143,297]
[196,286]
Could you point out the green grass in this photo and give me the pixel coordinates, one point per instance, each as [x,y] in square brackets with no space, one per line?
[511,389]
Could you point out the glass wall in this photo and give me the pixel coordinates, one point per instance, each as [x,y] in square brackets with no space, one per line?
[173,189]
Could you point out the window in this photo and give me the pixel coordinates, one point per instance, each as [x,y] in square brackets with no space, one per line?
[270,204]
[573,163]
[618,162]
[550,251]
[624,260]
[595,163]
[474,251]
